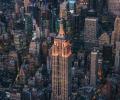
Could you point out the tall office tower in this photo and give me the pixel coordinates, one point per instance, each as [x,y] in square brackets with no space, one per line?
[93,69]
[116,32]
[90,32]
[117,57]
[114,7]
[61,66]
[26,4]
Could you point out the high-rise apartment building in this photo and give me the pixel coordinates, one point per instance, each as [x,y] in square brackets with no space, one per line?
[114,7]
[93,68]
[61,66]
[90,32]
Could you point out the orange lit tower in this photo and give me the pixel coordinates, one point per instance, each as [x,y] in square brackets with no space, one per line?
[61,66]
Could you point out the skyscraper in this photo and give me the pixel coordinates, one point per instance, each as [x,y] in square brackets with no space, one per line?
[114,7]
[90,32]
[116,32]
[61,66]
[93,68]
[117,56]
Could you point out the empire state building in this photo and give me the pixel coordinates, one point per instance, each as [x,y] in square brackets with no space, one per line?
[61,67]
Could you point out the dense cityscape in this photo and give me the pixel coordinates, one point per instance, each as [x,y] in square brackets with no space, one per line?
[59,49]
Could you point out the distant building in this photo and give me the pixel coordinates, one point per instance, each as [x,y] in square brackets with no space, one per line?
[90,32]
[61,66]
[93,68]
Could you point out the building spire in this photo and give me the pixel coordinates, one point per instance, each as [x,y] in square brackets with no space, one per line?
[61,29]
